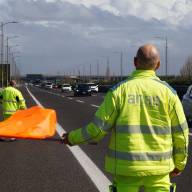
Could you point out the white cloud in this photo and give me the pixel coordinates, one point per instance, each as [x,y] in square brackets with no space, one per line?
[169,11]
[172,12]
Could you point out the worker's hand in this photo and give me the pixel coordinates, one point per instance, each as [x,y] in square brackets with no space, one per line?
[175,172]
[65,139]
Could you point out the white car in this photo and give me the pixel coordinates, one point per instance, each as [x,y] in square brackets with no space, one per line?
[49,85]
[66,88]
[94,87]
[187,104]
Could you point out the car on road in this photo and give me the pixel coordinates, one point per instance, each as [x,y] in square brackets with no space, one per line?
[187,104]
[66,88]
[82,89]
[49,85]
[55,86]
[94,87]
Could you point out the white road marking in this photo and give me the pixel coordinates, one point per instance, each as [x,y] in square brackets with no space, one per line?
[80,101]
[70,98]
[96,175]
[94,105]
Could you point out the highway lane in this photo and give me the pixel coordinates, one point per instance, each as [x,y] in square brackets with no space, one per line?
[40,166]
[89,100]
[71,114]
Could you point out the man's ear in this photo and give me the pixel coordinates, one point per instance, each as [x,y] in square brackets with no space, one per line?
[158,65]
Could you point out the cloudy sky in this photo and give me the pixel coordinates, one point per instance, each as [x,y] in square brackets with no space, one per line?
[64,36]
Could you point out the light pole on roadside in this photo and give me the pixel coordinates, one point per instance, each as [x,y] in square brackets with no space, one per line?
[16,71]
[121,63]
[108,67]
[14,64]
[11,57]
[97,69]
[90,72]
[2,24]
[8,69]
[166,52]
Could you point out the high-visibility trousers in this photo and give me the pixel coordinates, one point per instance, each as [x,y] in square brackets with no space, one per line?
[160,183]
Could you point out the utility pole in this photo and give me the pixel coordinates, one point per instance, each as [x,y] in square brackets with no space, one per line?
[90,73]
[108,69]
[121,63]
[166,52]
[84,73]
[7,62]
[2,55]
[2,49]
[166,56]
[121,55]
[98,69]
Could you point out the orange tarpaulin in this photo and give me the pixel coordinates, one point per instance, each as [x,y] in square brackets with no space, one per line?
[32,123]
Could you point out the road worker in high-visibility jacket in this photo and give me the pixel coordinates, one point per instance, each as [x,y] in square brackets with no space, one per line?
[149,140]
[11,99]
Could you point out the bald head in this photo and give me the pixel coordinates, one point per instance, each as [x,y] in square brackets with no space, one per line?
[147,58]
[12,83]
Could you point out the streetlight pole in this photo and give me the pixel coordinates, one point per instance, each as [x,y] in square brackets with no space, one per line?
[90,73]
[14,62]
[108,69]
[16,67]
[84,73]
[8,69]
[121,64]
[166,53]
[107,74]
[97,69]
[121,58]
[79,73]
[2,49]
[11,58]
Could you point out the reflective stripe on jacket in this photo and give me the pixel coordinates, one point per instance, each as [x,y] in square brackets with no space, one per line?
[12,100]
[148,125]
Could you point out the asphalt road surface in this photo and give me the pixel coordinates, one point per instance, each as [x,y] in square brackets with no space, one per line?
[48,166]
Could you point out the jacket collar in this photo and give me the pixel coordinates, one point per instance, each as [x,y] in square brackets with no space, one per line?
[143,73]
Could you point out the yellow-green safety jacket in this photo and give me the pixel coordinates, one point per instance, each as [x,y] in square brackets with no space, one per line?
[12,100]
[148,125]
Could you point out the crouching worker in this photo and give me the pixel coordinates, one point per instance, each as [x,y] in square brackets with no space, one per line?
[12,100]
[149,137]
